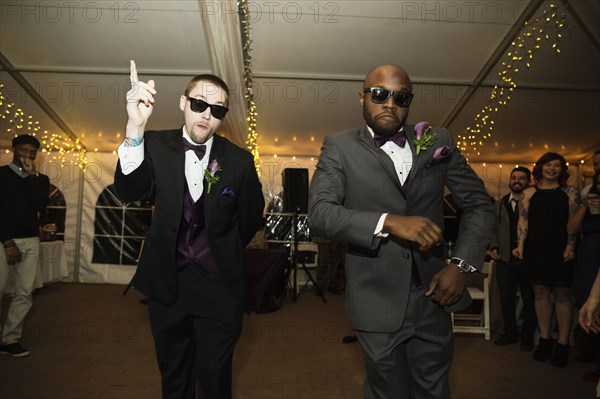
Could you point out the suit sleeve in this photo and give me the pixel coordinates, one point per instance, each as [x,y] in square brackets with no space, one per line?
[251,204]
[477,220]
[136,185]
[327,216]
[494,237]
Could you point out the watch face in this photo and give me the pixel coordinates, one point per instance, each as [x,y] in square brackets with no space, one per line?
[462,265]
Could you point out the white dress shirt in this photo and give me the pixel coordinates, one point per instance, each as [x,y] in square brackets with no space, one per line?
[402,159]
[132,157]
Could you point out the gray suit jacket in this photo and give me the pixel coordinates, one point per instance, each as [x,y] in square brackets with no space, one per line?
[355,183]
[501,235]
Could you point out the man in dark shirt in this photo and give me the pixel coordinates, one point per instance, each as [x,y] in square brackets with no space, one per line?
[24,196]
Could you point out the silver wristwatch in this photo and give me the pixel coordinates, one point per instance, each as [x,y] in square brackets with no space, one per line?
[463,265]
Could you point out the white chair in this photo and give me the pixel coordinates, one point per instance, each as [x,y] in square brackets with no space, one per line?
[470,323]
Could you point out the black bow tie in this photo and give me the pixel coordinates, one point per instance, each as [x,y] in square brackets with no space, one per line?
[398,138]
[200,150]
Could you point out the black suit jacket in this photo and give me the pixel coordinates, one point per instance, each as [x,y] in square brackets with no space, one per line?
[231,217]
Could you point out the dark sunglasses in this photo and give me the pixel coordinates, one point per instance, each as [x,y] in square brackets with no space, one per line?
[218,111]
[379,95]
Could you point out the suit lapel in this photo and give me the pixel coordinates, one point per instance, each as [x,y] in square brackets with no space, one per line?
[216,153]
[416,160]
[388,166]
[175,165]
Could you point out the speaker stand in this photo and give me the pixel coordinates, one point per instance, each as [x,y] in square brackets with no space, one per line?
[300,257]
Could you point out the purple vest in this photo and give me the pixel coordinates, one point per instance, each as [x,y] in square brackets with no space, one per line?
[192,242]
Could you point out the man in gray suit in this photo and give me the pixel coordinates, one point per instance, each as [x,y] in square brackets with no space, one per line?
[380,189]
[509,272]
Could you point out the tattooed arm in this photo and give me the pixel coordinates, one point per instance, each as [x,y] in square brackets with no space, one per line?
[523,224]
[575,213]
[576,218]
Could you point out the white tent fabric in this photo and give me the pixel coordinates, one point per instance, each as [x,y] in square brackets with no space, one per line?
[222,33]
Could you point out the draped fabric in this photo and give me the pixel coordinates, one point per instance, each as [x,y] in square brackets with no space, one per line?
[224,44]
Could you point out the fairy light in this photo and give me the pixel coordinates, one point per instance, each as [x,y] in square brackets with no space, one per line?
[56,146]
[252,140]
[519,55]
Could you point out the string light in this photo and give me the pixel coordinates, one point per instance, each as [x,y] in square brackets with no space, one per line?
[520,54]
[56,146]
[252,140]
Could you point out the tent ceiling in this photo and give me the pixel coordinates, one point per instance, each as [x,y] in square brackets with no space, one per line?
[309,59]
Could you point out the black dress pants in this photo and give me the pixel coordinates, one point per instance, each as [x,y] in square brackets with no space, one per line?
[195,337]
[510,278]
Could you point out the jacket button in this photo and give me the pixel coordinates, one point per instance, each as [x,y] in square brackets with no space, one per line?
[406,256]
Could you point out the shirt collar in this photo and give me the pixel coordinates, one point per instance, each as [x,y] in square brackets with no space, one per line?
[373,133]
[18,170]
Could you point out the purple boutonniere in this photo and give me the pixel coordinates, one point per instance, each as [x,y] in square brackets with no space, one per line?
[227,192]
[210,174]
[439,154]
[424,137]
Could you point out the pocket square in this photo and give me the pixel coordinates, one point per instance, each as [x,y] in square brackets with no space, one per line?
[227,192]
[439,155]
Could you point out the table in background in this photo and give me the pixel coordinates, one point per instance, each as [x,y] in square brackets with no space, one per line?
[52,263]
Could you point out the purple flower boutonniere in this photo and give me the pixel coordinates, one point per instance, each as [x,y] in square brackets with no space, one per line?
[424,137]
[210,174]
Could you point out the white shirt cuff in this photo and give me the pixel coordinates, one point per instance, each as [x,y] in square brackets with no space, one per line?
[379,227]
[130,157]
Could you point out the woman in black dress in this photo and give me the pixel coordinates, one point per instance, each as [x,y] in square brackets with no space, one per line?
[547,251]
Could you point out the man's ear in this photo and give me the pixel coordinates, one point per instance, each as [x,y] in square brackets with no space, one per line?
[182,102]
[361,99]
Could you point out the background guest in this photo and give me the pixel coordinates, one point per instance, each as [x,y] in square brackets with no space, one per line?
[596,164]
[589,315]
[24,197]
[587,263]
[547,251]
[509,268]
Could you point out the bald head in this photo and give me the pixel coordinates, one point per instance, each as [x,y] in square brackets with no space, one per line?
[390,73]
[386,113]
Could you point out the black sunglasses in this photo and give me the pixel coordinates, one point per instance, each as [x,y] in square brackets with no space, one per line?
[218,111]
[379,95]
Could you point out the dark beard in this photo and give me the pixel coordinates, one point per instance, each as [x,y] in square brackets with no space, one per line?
[517,190]
[384,131]
[381,130]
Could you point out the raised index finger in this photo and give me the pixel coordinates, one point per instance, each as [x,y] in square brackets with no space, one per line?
[133,76]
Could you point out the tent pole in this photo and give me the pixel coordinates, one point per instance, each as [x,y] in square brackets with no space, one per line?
[78,233]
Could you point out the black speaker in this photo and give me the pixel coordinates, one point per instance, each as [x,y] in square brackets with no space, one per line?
[295,190]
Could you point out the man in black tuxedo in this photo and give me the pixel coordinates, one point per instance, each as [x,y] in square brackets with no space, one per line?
[208,205]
